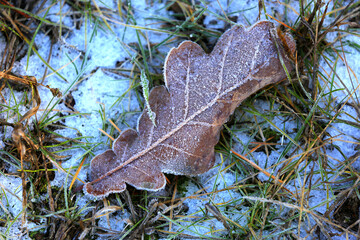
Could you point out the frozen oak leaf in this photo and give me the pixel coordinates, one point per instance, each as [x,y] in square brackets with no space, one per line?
[201,91]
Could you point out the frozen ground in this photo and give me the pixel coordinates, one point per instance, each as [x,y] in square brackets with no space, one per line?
[98,89]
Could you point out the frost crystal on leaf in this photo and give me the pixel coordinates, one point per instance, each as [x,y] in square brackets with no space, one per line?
[201,91]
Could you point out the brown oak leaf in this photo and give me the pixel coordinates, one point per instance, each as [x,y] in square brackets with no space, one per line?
[201,91]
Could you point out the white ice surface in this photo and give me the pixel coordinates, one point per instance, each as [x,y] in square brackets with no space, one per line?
[11,194]
[11,205]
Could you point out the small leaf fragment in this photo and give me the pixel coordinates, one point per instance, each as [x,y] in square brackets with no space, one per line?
[145,87]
